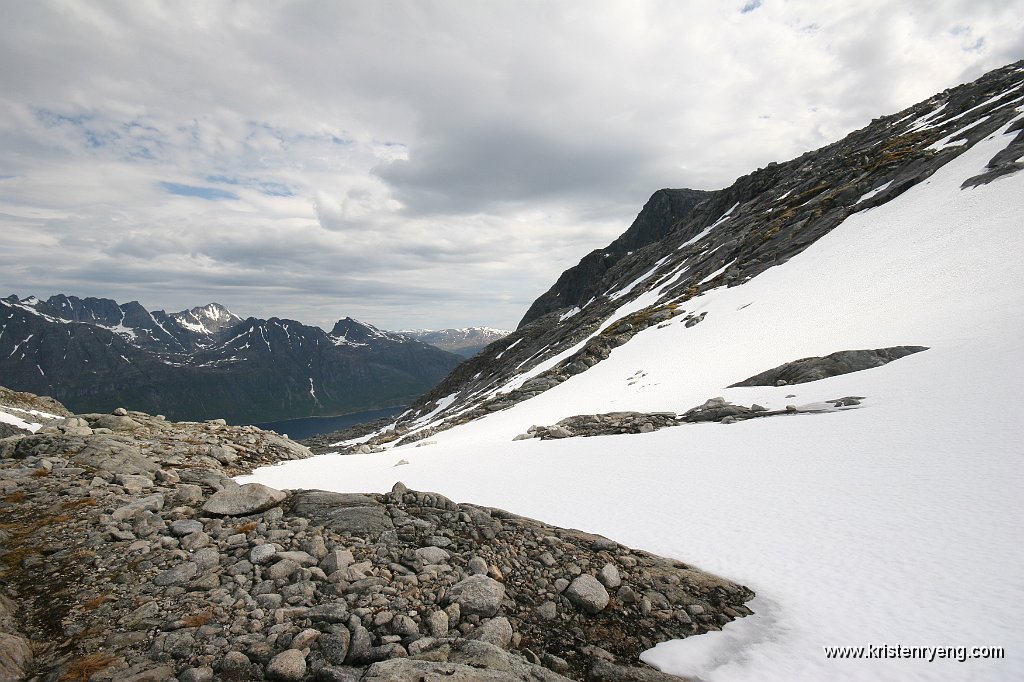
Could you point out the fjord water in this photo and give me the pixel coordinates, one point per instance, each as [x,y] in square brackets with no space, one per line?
[305,427]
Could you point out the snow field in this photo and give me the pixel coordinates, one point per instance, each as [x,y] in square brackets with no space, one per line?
[897,523]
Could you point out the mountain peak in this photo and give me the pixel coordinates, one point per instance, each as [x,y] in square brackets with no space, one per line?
[353,331]
[208,319]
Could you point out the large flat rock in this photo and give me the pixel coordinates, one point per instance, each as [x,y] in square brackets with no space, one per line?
[348,513]
[245,499]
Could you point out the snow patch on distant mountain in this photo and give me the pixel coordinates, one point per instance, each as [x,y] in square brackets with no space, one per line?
[209,319]
[465,341]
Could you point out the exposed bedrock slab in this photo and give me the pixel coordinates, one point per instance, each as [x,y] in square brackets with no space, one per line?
[815,368]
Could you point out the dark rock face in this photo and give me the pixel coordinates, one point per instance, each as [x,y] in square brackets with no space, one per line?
[834,364]
[95,354]
[149,576]
[1005,162]
[662,212]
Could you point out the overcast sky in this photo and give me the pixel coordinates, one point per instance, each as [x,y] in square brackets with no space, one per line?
[417,164]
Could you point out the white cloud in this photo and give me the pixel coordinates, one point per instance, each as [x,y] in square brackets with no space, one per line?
[417,163]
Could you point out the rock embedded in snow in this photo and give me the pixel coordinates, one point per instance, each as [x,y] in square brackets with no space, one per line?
[243,500]
[559,432]
[835,364]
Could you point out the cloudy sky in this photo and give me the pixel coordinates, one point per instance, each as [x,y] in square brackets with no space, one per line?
[417,164]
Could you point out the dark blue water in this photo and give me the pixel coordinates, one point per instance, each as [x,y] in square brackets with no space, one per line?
[297,429]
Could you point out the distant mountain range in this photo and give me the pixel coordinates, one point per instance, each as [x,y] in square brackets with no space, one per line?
[207,362]
[466,341]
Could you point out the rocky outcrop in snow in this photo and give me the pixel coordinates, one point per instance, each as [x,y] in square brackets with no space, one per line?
[843,362]
[712,410]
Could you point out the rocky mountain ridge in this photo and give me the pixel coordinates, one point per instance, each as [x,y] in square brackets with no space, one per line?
[685,243]
[129,554]
[464,341]
[96,354]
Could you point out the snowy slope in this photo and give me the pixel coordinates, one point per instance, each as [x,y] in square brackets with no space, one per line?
[895,524]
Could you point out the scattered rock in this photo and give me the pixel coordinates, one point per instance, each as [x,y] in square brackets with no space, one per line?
[609,576]
[478,595]
[288,665]
[496,631]
[587,594]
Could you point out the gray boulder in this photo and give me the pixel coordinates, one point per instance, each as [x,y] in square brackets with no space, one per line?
[437,624]
[432,555]
[496,631]
[177,575]
[153,502]
[334,645]
[243,500]
[587,594]
[337,560]
[262,554]
[183,527]
[288,665]
[477,595]
[469,661]
[114,422]
[609,576]
[235,667]
[201,674]
[281,570]
[15,657]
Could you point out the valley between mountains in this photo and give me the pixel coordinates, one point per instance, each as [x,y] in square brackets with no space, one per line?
[207,362]
[766,423]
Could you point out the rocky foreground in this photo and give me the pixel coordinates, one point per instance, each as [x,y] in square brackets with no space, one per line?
[129,553]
